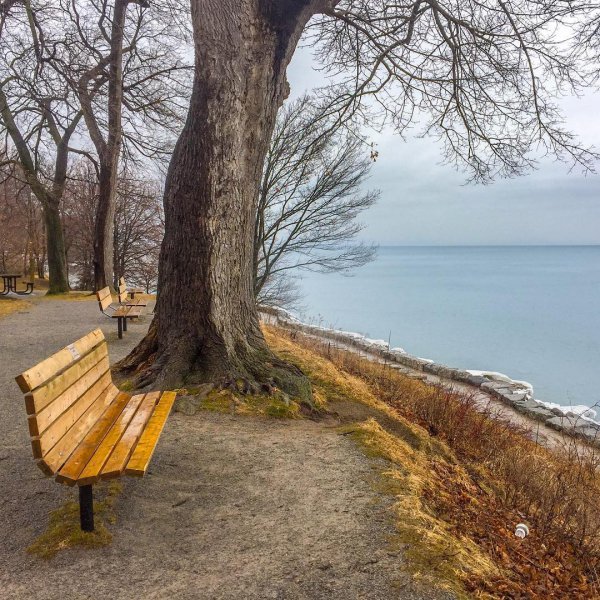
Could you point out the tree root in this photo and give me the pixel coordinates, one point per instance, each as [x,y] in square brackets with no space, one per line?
[257,371]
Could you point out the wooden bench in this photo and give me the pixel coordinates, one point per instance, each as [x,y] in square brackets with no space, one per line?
[116,311]
[83,429]
[131,291]
[125,301]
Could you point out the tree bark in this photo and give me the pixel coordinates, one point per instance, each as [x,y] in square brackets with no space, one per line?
[108,153]
[206,326]
[57,262]
[103,228]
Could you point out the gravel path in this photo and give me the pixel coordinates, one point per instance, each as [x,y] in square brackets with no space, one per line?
[233,507]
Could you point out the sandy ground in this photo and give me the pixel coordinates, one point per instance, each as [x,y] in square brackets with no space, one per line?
[233,506]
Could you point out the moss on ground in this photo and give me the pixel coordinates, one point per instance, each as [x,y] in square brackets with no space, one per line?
[64,531]
[126,385]
[276,405]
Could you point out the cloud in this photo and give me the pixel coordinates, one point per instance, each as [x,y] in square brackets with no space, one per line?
[426,202]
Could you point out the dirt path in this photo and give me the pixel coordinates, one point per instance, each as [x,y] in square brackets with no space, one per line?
[233,507]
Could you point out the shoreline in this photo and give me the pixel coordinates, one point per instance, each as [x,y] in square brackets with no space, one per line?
[515,395]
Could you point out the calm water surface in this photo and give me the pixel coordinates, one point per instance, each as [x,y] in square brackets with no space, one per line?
[532,313]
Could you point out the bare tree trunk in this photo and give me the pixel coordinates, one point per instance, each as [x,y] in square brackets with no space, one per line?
[57,262]
[108,154]
[104,223]
[206,326]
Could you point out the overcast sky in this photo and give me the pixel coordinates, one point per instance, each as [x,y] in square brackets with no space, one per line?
[426,202]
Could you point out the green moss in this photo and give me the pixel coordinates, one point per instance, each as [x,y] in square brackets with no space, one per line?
[126,385]
[281,409]
[277,406]
[64,530]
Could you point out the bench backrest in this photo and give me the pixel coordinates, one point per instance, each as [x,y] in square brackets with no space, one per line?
[65,395]
[104,298]
[122,291]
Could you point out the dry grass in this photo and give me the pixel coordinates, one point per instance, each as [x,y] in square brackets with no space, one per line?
[64,531]
[464,478]
[73,296]
[9,306]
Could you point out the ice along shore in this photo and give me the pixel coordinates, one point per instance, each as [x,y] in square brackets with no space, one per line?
[576,421]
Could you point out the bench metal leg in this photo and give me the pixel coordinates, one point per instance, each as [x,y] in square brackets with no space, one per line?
[86,508]
[124,324]
[120,327]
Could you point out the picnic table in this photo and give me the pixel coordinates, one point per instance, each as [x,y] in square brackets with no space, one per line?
[9,281]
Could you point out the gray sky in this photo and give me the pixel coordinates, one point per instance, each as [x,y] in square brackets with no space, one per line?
[426,202]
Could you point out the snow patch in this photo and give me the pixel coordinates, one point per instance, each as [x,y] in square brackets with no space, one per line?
[579,410]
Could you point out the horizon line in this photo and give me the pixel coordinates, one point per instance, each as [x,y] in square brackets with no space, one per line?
[387,245]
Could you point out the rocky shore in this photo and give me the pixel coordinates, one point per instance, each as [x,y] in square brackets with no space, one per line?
[516,395]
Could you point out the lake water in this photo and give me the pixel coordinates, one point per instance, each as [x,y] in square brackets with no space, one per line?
[530,312]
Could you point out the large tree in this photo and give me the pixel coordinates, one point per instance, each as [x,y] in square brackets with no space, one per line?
[480,75]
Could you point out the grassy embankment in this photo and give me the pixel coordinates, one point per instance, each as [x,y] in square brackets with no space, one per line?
[463,479]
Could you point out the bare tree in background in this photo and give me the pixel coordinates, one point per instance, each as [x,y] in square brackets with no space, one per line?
[140,58]
[22,243]
[138,225]
[79,213]
[309,201]
[39,116]
[139,229]
[72,62]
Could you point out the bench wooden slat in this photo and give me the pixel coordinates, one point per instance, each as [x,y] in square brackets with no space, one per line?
[55,458]
[129,312]
[104,298]
[76,463]
[123,283]
[61,426]
[91,473]
[140,458]
[39,422]
[137,302]
[104,293]
[42,372]
[118,459]
[42,396]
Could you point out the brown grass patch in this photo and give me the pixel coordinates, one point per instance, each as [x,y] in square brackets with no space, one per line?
[9,306]
[72,296]
[465,478]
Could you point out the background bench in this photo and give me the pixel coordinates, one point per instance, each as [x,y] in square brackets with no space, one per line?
[124,300]
[131,291]
[116,311]
[82,427]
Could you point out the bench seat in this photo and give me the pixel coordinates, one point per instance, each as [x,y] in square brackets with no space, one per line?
[82,428]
